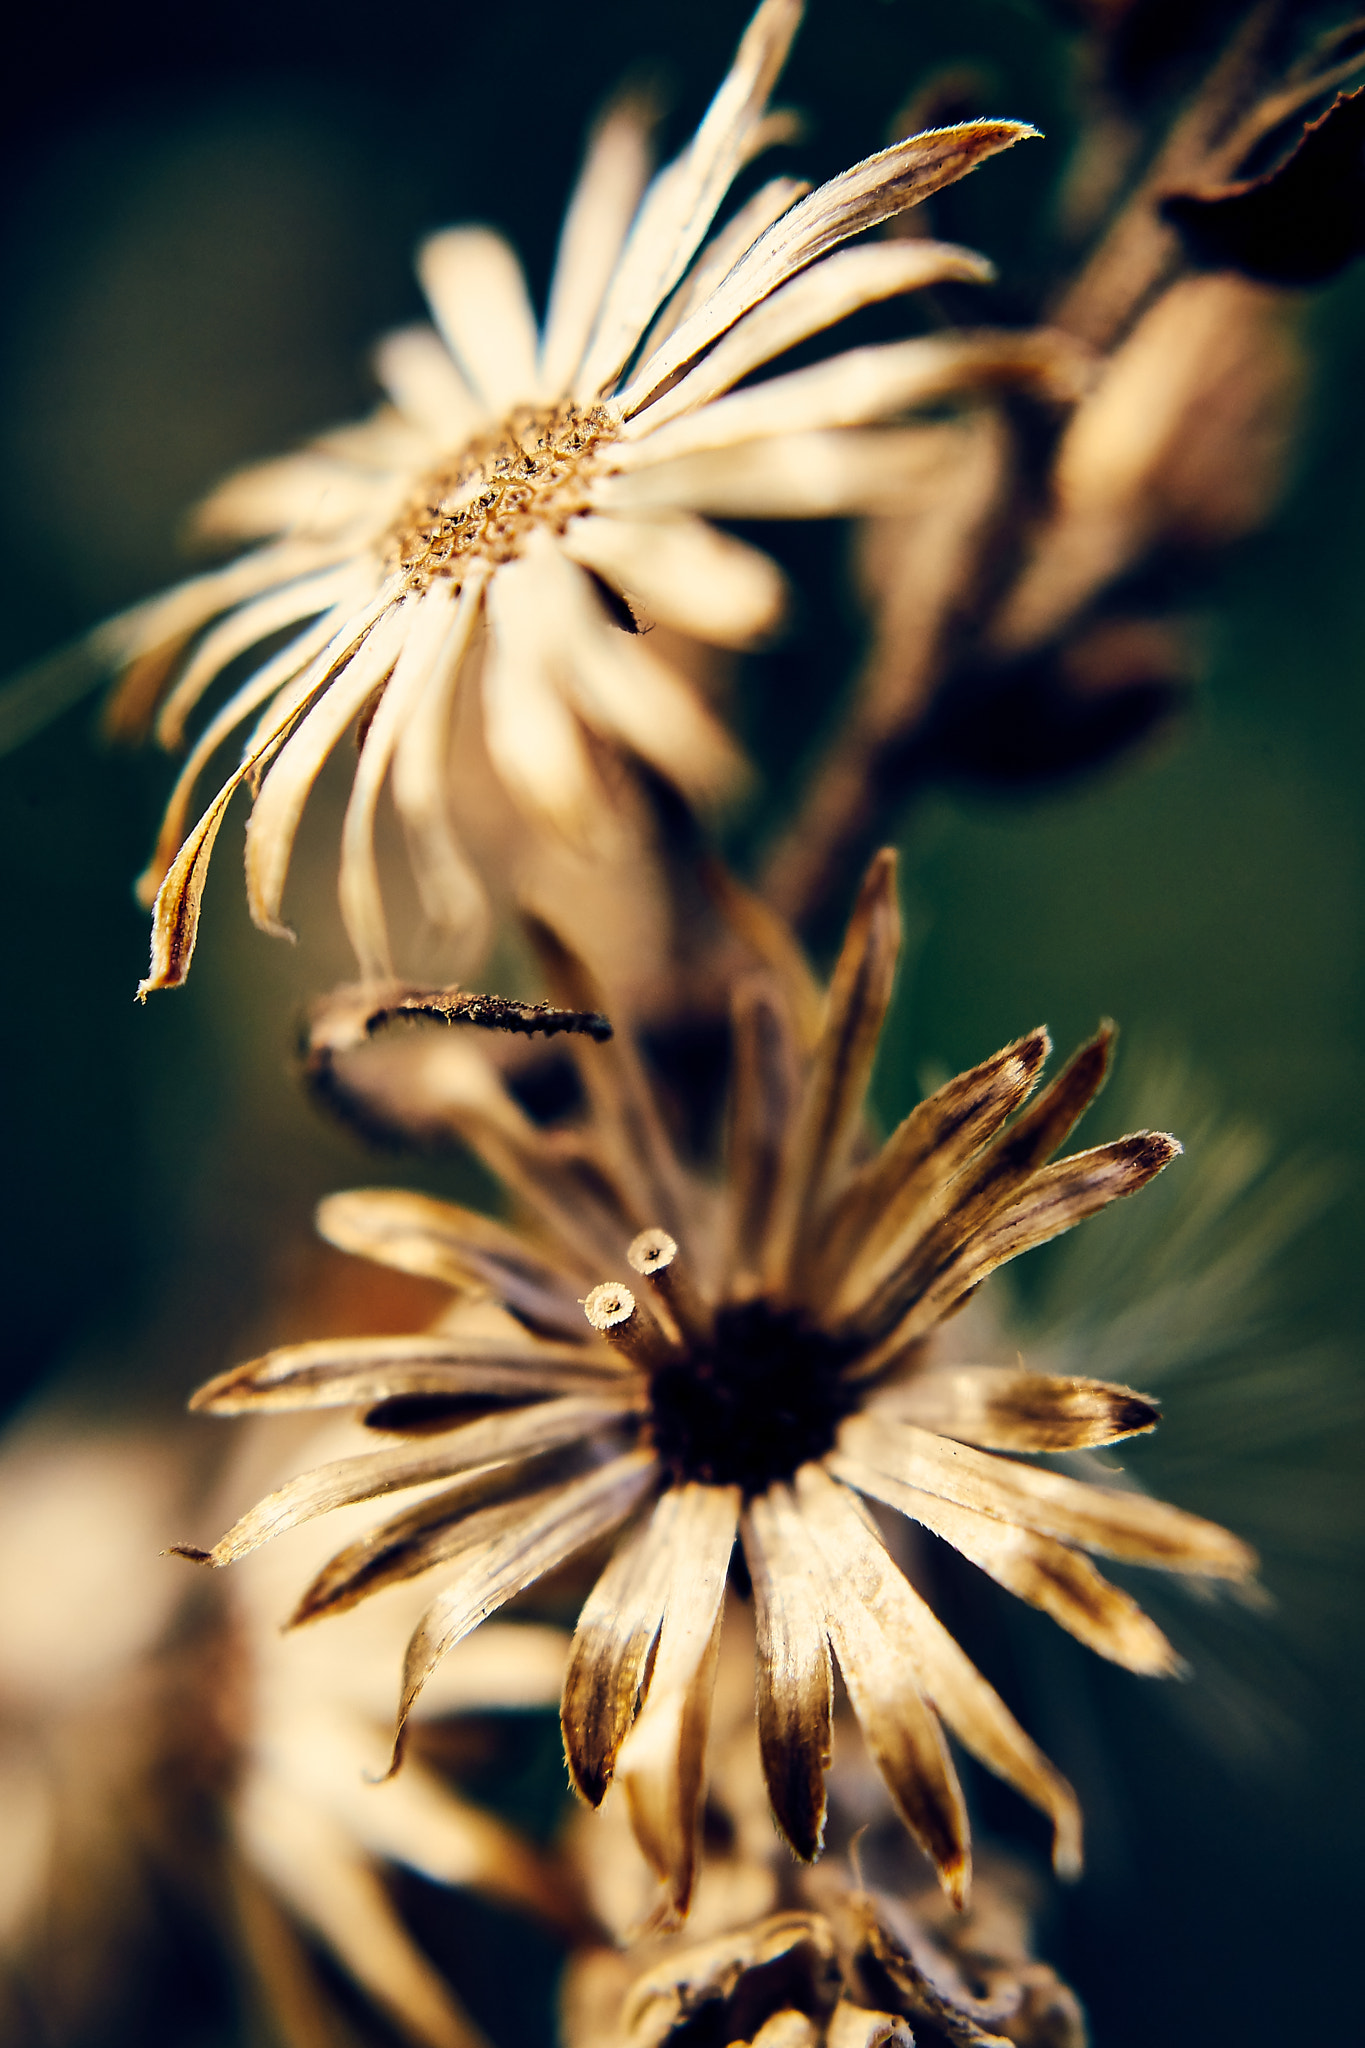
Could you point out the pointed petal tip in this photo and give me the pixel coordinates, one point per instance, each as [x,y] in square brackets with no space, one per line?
[192,1552]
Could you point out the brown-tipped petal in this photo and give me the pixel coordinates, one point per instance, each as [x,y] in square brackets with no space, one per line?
[991,1181]
[1035,1568]
[549,1527]
[629,1326]
[853,2026]
[1116,1523]
[887,1199]
[860,198]
[841,1067]
[353,1372]
[795,1678]
[497,1439]
[661,1764]
[973,1710]
[654,1256]
[616,1630]
[763,1096]
[441,1241]
[884,1683]
[1054,1200]
[1004,1408]
[467,1518]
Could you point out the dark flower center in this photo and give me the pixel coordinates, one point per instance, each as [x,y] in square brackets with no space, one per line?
[764,1398]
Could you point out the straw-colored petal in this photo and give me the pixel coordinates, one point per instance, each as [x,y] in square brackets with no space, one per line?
[279,806]
[787,2029]
[416,370]
[661,1763]
[599,214]
[686,574]
[506,1436]
[458,1247]
[884,1683]
[310,1859]
[427,627]
[1039,1569]
[354,1372]
[795,1677]
[534,740]
[854,2026]
[820,475]
[515,1550]
[810,303]
[841,1065]
[616,1631]
[312,495]
[683,199]
[1005,1408]
[452,895]
[1122,1524]
[764,1091]
[723,251]
[896,1189]
[862,1566]
[477,291]
[860,198]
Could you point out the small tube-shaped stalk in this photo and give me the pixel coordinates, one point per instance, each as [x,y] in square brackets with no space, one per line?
[655,1256]
[629,1326]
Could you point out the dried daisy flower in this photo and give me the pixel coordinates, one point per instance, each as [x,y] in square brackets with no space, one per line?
[158,1746]
[522,486]
[771,1367]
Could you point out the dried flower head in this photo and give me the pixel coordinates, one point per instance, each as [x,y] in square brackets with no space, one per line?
[522,487]
[769,1366]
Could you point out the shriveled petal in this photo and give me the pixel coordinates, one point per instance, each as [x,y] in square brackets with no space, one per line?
[682,201]
[616,1630]
[496,1439]
[973,1710]
[897,1187]
[1005,1408]
[661,1763]
[310,1858]
[720,255]
[1035,1568]
[534,740]
[416,370]
[477,291]
[795,1677]
[841,1067]
[853,2026]
[183,610]
[429,628]
[792,476]
[242,629]
[870,192]
[279,806]
[1116,1523]
[810,303]
[441,1241]
[764,1092]
[353,1372]
[313,495]
[625,691]
[512,1552]
[600,212]
[789,2029]
[685,574]
[1055,1200]
[885,1685]
[452,894]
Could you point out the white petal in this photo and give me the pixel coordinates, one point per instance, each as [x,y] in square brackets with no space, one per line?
[682,201]
[533,739]
[478,294]
[791,476]
[415,369]
[424,623]
[451,892]
[724,250]
[600,212]
[686,574]
[312,494]
[815,300]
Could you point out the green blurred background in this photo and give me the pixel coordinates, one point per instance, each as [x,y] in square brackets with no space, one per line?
[205,222]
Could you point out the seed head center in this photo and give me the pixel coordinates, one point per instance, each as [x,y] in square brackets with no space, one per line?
[483,502]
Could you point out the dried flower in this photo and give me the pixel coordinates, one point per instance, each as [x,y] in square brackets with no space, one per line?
[774,1366]
[531,485]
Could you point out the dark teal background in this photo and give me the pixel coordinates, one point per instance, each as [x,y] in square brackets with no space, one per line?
[204,223]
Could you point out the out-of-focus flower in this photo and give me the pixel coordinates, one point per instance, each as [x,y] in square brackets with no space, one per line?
[779,1370]
[522,489]
[152,1742]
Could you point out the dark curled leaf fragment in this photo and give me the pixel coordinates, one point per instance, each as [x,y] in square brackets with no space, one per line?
[1300,223]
